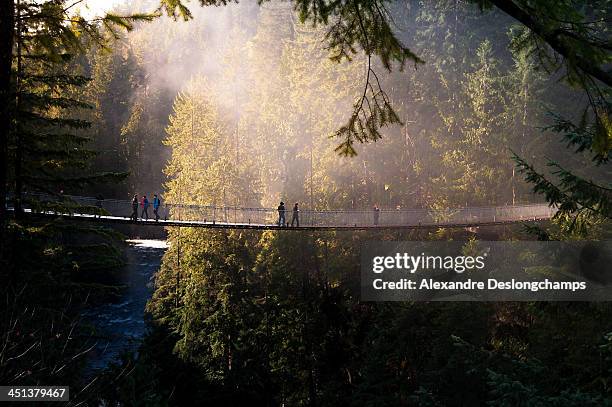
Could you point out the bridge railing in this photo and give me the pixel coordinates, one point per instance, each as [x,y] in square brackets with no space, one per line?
[327,218]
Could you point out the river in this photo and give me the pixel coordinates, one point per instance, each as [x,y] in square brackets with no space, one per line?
[120,325]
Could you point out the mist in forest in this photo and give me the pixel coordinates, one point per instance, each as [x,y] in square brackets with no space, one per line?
[194,48]
[239,106]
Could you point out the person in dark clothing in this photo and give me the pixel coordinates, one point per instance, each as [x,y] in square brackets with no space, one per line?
[99,199]
[376,214]
[296,215]
[145,208]
[134,215]
[281,214]
[156,205]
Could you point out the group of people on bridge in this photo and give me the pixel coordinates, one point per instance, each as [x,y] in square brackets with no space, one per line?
[145,204]
[295,220]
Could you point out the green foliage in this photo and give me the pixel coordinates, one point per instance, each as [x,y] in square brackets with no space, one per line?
[257,323]
[581,203]
[196,134]
[351,27]
[52,272]
[364,125]
[572,29]
[578,34]
[274,318]
[48,145]
[581,136]
[56,31]
[50,269]
[568,29]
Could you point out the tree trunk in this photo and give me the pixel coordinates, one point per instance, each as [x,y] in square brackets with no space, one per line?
[7,30]
[18,132]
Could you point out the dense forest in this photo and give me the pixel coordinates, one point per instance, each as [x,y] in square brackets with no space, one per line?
[319,103]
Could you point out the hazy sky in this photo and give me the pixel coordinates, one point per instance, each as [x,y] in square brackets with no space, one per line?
[90,8]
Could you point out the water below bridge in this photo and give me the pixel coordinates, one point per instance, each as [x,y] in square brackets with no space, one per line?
[119,326]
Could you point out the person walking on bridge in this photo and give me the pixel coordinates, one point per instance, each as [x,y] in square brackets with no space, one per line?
[281,214]
[156,205]
[296,215]
[134,215]
[145,208]
[376,214]
[99,199]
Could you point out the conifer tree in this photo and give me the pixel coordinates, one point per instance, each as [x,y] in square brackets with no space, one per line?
[202,170]
[48,142]
[471,151]
[53,31]
[525,113]
[581,192]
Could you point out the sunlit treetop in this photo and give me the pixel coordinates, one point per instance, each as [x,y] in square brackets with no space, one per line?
[567,35]
[58,27]
[571,36]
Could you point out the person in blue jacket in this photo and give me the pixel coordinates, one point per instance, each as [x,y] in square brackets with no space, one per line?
[156,205]
[145,208]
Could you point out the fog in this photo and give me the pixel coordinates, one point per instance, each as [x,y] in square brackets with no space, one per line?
[257,102]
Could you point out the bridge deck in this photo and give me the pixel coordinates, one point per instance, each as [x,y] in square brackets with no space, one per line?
[259,226]
[114,211]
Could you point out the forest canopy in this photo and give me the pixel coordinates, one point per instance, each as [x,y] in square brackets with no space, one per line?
[353,104]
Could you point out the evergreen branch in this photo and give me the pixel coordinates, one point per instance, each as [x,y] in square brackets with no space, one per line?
[56,154]
[47,177]
[586,193]
[59,138]
[42,101]
[55,80]
[579,136]
[555,41]
[381,112]
[39,120]
[580,203]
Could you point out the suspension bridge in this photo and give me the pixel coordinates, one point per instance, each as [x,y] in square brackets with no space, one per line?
[226,217]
